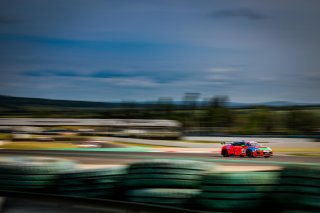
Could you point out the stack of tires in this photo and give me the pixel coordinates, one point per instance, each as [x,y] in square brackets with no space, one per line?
[31,174]
[165,182]
[237,192]
[104,183]
[299,188]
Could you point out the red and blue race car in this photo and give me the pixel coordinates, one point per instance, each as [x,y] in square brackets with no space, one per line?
[245,148]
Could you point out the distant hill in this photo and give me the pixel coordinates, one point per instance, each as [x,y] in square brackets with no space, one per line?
[9,101]
[269,104]
[17,103]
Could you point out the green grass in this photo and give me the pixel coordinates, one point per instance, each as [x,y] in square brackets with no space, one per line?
[199,141]
[298,149]
[139,144]
[305,154]
[36,145]
[5,136]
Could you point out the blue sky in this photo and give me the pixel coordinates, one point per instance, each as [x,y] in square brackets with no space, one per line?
[114,50]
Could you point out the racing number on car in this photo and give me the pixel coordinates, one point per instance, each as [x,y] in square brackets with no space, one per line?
[243,151]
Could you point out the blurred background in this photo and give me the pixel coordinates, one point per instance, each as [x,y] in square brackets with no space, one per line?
[216,67]
[216,116]
[168,70]
[123,81]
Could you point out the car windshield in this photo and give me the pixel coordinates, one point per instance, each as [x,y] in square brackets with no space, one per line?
[254,144]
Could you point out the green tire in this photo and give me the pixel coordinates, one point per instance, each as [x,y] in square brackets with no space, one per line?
[163,196]
[299,188]
[164,176]
[90,194]
[299,201]
[241,178]
[233,196]
[303,171]
[162,183]
[27,177]
[23,182]
[87,182]
[240,189]
[34,165]
[166,171]
[164,193]
[174,164]
[85,188]
[229,205]
[104,172]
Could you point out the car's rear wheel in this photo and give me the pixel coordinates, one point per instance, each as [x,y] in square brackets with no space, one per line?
[225,153]
[249,154]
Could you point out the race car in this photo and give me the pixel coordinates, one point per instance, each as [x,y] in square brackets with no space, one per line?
[245,148]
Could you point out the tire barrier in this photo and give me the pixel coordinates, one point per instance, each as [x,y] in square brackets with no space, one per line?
[92,183]
[174,183]
[236,192]
[167,174]
[163,196]
[32,174]
[299,188]
[166,182]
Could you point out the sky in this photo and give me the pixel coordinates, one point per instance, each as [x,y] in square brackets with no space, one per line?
[119,50]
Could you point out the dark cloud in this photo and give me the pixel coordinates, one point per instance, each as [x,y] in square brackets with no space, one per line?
[95,74]
[160,77]
[9,20]
[239,13]
[43,73]
[174,45]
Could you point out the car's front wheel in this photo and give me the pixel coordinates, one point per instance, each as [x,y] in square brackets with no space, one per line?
[225,153]
[249,154]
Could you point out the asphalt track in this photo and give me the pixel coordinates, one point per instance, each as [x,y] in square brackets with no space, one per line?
[103,157]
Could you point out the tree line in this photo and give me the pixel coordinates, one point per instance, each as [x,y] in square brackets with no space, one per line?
[210,116]
[216,116]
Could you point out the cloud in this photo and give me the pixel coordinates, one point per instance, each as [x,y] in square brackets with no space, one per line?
[239,13]
[222,69]
[94,74]
[46,73]
[133,82]
[110,77]
[9,20]
[156,75]
[134,78]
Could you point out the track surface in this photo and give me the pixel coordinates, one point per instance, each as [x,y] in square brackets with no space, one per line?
[97,157]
